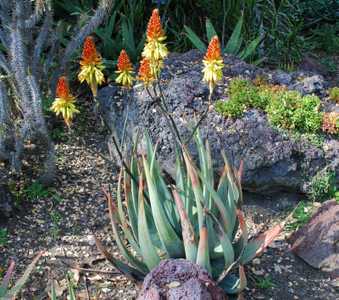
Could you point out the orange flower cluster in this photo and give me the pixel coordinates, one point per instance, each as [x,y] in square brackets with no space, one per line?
[124,63]
[155,49]
[331,122]
[145,71]
[91,66]
[64,103]
[89,52]
[125,69]
[213,51]
[62,90]
[213,64]
[154,27]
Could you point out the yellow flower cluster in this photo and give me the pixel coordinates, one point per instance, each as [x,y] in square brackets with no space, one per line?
[153,55]
[91,66]
[155,50]
[64,102]
[213,64]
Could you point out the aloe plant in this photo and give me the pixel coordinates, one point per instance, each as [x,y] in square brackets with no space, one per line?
[193,219]
[7,293]
[234,44]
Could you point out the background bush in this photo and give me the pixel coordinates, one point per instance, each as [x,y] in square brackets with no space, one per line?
[287,28]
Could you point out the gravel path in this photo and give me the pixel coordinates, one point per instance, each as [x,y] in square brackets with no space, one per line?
[61,224]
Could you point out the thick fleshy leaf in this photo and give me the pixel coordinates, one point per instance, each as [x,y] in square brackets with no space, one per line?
[164,193]
[123,249]
[148,251]
[7,278]
[193,175]
[53,292]
[128,271]
[224,214]
[259,244]
[187,229]
[243,227]
[24,278]
[225,242]
[132,214]
[124,222]
[71,291]
[203,257]
[169,238]
[233,285]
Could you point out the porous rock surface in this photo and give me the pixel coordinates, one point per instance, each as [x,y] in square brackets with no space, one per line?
[317,242]
[273,160]
[175,279]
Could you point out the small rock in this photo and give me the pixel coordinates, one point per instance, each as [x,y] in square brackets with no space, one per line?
[317,241]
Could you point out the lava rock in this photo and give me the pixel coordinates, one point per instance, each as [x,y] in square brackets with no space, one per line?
[311,85]
[175,279]
[6,202]
[273,161]
[317,241]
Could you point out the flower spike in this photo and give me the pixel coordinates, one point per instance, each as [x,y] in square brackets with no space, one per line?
[213,64]
[64,102]
[91,66]
[155,49]
[145,72]
[125,70]
[154,27]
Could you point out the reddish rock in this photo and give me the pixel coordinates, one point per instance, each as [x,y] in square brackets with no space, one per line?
[317,242]
[180,279]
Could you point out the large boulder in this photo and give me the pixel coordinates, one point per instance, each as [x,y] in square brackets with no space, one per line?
[273,160]
[175,279]
[317,241]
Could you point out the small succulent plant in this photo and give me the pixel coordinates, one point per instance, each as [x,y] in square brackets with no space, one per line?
[193,218]
[7,293]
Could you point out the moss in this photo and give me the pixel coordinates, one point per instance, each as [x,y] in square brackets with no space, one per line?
[323,186]
[285,109]
[334,94]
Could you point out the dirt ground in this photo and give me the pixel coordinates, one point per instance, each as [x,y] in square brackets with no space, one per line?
[62,223]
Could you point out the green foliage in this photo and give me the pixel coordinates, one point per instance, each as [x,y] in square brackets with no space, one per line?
[264,282]
[230,109]
[323,186]
[3,237]
[325,38]
[285,109]
[233,45]
[330,64]
[36,191]
[295,112]
[301,215]
[194,218]
[334,94]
